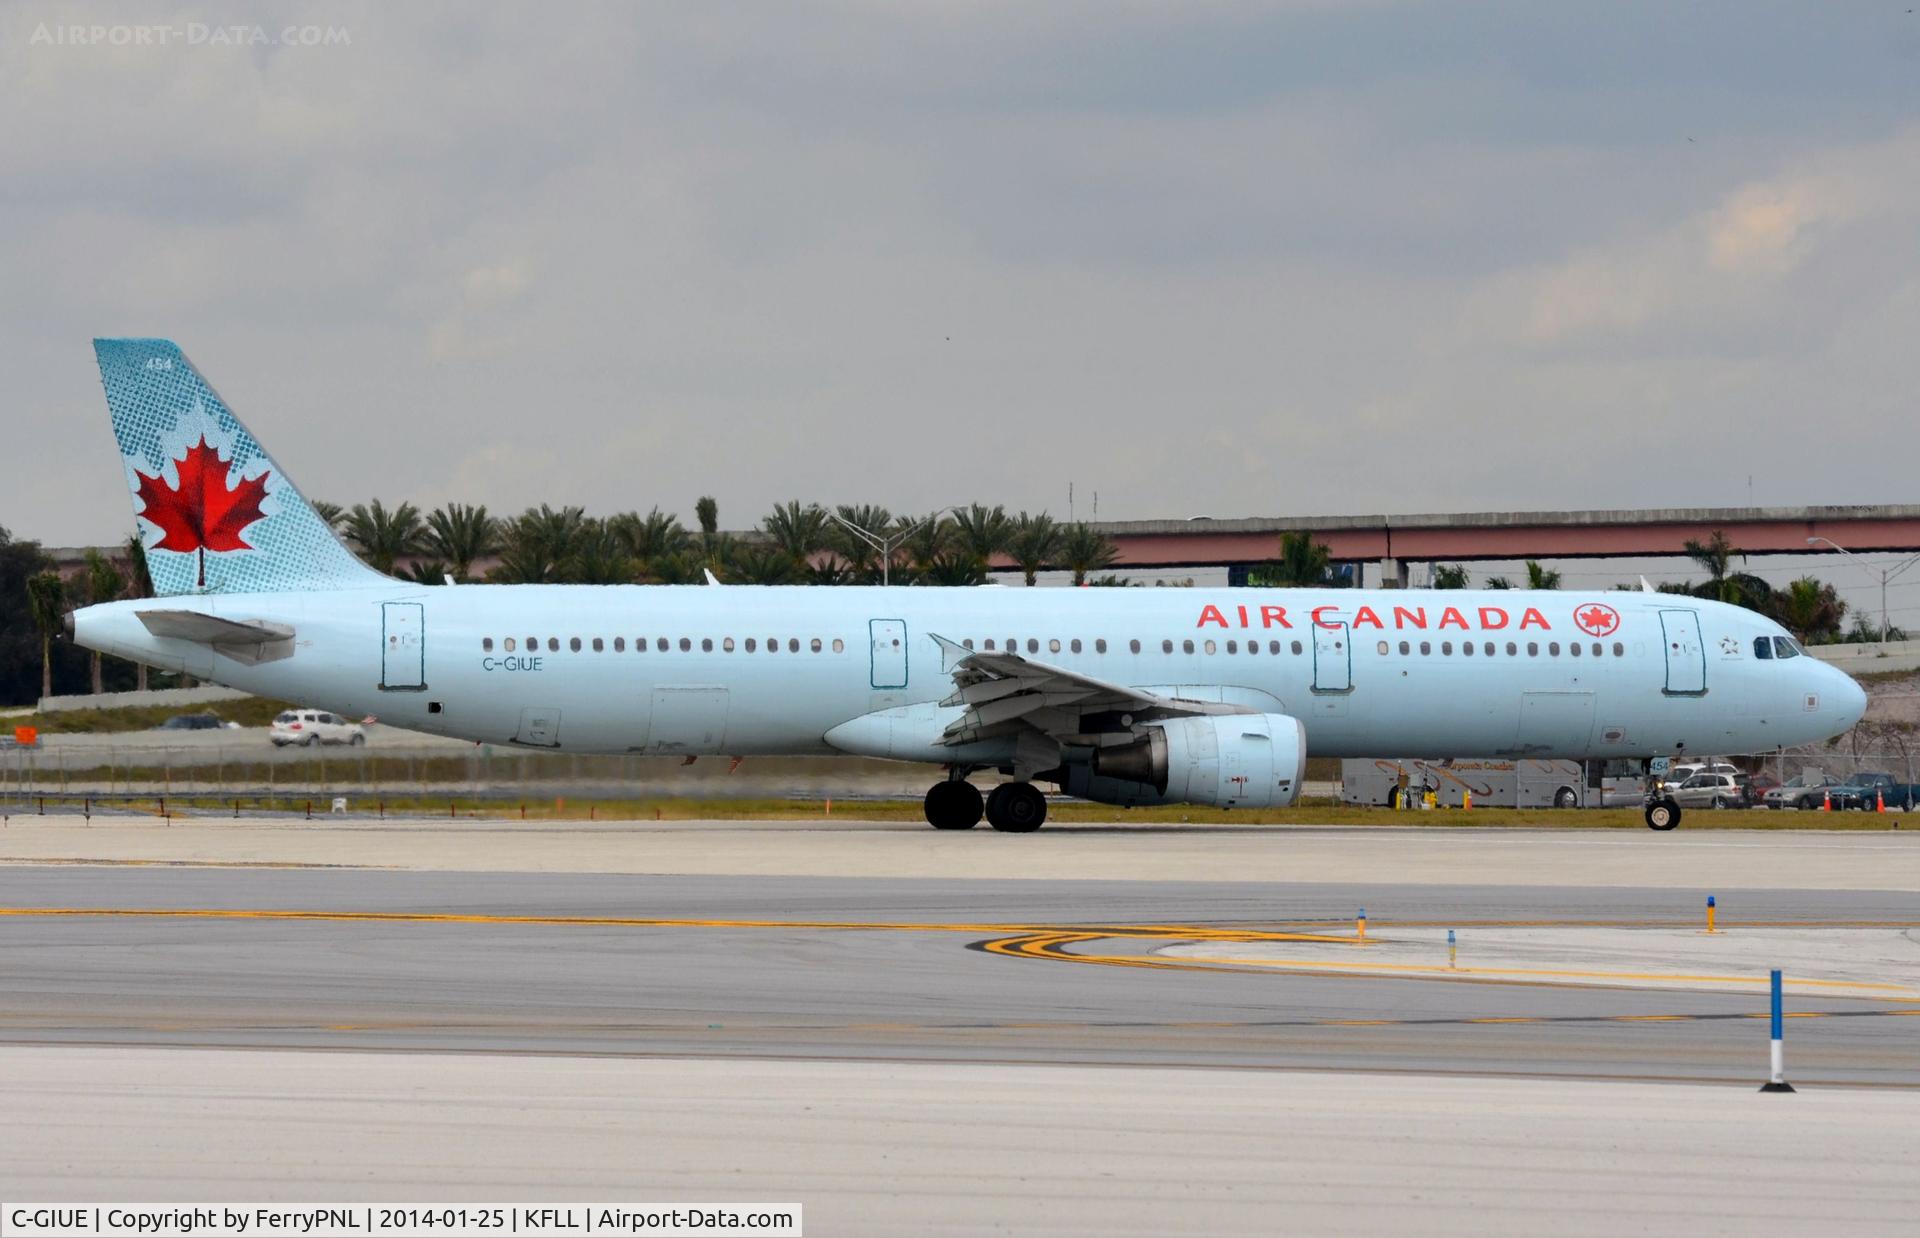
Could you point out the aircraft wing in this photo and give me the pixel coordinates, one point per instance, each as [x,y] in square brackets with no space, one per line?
[1046,706]
[245,640]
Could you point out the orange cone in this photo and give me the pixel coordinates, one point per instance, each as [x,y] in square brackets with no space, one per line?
[1879,800]
[1826,801]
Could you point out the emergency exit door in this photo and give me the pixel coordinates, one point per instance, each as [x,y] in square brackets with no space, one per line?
[403,648]
[1686,656]
[889,668]
[1332,657]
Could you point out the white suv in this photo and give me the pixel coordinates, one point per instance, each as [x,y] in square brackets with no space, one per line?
[307,727]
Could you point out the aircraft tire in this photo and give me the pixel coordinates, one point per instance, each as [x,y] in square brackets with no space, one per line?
[1663,814]
[953,805]
[1022,808]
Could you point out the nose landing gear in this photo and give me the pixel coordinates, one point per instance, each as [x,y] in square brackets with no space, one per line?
[1662,813]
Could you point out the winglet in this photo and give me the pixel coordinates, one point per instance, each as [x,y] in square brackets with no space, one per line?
[1645,587]
[711,578]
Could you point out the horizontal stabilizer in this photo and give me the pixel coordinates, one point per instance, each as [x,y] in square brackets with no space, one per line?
[251,641]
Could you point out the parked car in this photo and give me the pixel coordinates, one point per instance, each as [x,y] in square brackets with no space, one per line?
[196,722]
[1803,790]
[1712,791]
[307,727]
[1868,789]
[1759,784]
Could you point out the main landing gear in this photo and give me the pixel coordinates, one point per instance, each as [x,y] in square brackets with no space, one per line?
[1014,807]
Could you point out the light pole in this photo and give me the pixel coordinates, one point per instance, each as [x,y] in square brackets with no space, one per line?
[885,546]
[1886,574]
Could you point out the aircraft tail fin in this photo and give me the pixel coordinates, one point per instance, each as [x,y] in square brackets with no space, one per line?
[216,514]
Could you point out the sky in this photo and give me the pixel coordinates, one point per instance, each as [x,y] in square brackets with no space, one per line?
[1241,259]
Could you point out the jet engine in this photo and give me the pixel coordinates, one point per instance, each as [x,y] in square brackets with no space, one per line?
[1230,760]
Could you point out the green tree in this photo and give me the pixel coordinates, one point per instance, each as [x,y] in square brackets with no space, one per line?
[982,532]
[862,560]
[657,543]
[595,555]
[1539,577]
[1034,542]
[1496,582]
[763,564]
[537,544]
[139,585]
[1716,555]
[1810,609]
[459,535]
[1085,550]
[104,584]
[383,536]
[927,541]
[1302,562]
[332,513]
[1449,575]
[798,530]
[47,602]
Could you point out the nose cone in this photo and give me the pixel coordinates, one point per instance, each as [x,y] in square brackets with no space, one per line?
[1848,698]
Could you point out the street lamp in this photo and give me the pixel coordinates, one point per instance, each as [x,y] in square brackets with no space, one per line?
[1886,574]
[885,546]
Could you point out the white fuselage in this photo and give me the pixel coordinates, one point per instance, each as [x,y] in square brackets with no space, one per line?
[748,670]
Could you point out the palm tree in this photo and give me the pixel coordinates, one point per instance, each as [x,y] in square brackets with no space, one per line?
[596,555]
[458,534]
[1810,610]
[982,532]
[797,530]
[382,536]
[139,585]
[763,565]
[1450,576]
[104,584]
[927,540]
[1085,550]
[1497,582]
[1302,561]
[538,541]
[425,572]
[651,540]
[47,600]
[952,566]
[1539,577]
[863,561]
[1034,542]
[329,512]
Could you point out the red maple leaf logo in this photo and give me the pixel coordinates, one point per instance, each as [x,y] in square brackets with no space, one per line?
[202,513]
[1597,620]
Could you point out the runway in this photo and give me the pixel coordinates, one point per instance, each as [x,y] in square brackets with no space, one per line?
[1035,1052]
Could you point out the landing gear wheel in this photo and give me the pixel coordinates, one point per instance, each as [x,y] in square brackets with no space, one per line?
[953,805]
[1016,808]
[1565,797]
[1663,815]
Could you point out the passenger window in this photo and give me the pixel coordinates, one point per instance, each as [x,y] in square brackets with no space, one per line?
[619,644]
[773,644]
[486,644]
[965,644]
[1100,645]
[1296,647]
[1253,646]
[1598,649]
[1033,644]
[817,646]
[533,643]
[1166,646]
[1446,646]
[1553,648]
[661,644]
[574,645]
[1619,650]
[1488,649]
[989,644]
[1186,646]
[509,644]
[1053,646]
[726,644]
[1533,649]
[686,645]
[1133,646]
[1405,648]
[1211,647]
[599,646]
[706,644]
[1074,646]
[1573,648]
[752,644]
[839,646]
[793,644]
[553,644]
[1512,649]
[1383,649]
[1426,648]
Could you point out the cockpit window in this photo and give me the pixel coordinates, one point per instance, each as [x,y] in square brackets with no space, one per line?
[1763,648]
[1783,647]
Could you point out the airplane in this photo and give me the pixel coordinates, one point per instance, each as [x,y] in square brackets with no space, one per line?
[1121,696]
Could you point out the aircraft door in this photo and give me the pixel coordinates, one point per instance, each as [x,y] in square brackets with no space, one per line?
[403,649]
[1686,655]
[688,720]
[1332,657]
[889,652]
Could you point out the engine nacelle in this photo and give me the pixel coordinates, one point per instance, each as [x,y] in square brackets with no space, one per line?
[1230,760]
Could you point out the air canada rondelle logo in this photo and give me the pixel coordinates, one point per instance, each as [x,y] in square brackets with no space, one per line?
[1597,619]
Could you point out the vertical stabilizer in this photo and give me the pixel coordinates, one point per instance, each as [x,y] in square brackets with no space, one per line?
[216,514]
